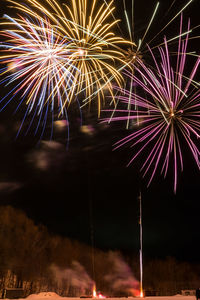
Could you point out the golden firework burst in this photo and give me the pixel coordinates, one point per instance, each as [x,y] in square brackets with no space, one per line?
[91,43]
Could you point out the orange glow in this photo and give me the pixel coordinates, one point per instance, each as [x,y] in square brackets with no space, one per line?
[94,292]
[134,292]
[141,294]
[95,295]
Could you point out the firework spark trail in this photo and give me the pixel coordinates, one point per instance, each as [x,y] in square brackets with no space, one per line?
[138,49]
[38,65]
[93,47]
[169,115]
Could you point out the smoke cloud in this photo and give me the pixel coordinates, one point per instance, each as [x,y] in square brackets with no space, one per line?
[121,278]
[9,187]
[75,279]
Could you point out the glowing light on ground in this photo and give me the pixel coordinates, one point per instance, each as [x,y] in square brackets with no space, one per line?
[100,296]
[97,295]
[94,292]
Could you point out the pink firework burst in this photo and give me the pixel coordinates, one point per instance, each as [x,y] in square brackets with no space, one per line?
[167,106]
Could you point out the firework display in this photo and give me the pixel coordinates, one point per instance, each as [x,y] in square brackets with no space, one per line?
[38,66]
[140,49]
[91,43]
[56,54]
[168,109]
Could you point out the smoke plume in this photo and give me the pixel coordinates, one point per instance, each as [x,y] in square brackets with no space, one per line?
[73,280]
[121,278]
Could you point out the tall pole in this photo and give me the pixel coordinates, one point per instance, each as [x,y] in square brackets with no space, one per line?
[141,263]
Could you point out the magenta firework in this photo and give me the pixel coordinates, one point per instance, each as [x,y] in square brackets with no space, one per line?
[166,110]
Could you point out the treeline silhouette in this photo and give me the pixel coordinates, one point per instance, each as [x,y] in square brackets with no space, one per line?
[35,260]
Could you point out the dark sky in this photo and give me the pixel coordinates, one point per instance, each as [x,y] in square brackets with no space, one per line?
[88,185]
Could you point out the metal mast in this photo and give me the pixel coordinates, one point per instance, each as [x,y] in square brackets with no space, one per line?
[141,263]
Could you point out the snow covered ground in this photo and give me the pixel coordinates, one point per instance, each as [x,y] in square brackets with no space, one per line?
[54,296]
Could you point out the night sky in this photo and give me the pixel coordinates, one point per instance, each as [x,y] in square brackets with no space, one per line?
[88,187]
